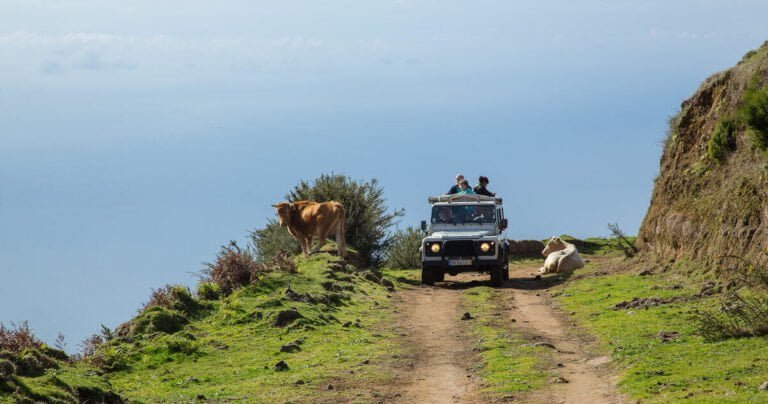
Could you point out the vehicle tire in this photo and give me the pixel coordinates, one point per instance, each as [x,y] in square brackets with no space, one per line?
[438,276]
[506,267]
[427,277]
[497,275]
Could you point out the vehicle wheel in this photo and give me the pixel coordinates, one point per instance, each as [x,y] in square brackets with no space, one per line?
[497,275]
[506,267]
[438,276]
[427,277]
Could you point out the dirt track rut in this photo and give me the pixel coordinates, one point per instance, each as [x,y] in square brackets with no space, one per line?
[442,351]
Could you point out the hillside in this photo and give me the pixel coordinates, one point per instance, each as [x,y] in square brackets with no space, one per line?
[710,198]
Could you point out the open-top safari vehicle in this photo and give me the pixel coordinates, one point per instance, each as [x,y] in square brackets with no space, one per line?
[465,233]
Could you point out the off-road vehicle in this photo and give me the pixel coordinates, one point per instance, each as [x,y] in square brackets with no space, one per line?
[465,233]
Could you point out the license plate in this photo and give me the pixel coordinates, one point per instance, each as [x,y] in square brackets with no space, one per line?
[459,263]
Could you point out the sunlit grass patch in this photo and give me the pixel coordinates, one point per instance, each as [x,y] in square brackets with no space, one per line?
[656,351]
[506,366]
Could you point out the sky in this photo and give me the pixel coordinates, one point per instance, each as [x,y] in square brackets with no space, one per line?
[136,137]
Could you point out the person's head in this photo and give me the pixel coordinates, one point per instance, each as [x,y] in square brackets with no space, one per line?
[483,180]
[464,184]
[459,178]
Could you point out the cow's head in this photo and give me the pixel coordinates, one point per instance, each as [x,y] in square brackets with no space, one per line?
[554,244]
[284,212]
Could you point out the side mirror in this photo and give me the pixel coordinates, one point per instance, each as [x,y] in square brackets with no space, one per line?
[424,225]
[503,225]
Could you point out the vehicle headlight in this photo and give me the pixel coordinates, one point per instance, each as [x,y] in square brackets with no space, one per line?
[485,247]
[435,248]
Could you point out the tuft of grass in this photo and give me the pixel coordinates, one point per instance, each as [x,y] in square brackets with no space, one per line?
[723,140]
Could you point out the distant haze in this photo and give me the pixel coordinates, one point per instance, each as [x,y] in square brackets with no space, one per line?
[138,136]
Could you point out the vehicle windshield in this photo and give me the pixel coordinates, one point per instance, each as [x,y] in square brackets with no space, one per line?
[459,214]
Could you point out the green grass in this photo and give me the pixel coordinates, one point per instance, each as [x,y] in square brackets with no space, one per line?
[234,348]
[505,365]
[656,371]
[723,140]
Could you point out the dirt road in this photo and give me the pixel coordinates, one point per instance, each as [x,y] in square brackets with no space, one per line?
[442,353]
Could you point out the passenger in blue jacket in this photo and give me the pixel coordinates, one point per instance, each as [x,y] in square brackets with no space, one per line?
[456,188]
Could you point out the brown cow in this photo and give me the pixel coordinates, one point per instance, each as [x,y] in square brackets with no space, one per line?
[306,220]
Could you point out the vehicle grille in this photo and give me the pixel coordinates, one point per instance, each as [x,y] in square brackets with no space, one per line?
[459,248]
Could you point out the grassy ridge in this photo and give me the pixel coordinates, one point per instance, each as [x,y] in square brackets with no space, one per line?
[234,348]
[657,369]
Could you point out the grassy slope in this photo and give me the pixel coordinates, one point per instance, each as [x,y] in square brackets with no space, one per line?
[235,353]
[656,371]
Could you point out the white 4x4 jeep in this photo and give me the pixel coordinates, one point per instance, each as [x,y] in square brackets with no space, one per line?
[465,233]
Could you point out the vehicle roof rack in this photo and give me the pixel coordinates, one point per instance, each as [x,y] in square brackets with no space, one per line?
[464,198]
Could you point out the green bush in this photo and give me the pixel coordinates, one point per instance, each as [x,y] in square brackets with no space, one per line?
[109,358]
[403,252]
[273,240]
[174,297]
[158,319]
[208,291]
[368,217]
[723,140]
[743,310]
[754,111]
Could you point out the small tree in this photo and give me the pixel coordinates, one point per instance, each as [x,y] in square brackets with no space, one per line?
[368,217]
[403,252]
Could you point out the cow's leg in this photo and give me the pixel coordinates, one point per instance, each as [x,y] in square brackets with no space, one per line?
[322,237]
[304,246]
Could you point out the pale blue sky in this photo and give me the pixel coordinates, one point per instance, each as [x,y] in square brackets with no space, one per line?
[138,136]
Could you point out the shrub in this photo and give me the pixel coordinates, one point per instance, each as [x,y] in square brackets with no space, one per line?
[754,111]
[273,240]
[723,140]
[368,217]
[174,297]
[403,252]
[109,358]
[158,319]
[282,262]
[743,310]
[208,291]
[17,338]
[234,267]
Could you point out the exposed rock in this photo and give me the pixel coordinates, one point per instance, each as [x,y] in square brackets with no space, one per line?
[298,297]
[666,336]
[558,380]
[286,317]
[646,272]
[702,210]
[763,387]
[644,303]
[525,248]
[290,347]
[281,366]
[388,284]
[541,344]
[467,316]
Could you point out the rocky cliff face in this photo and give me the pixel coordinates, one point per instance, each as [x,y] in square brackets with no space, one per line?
[711,197]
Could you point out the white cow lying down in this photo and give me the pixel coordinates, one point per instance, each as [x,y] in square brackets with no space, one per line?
[561,257]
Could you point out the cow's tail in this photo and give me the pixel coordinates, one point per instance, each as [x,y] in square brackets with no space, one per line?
[340,241]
